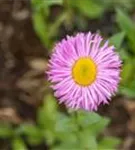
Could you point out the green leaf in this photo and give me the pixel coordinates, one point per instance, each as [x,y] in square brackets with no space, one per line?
[89,8]
[67,137]
[33,134]
[87,141]
[127,86]
[66,146]
[37,3]
[65,129]
[124,21]
[18,144]
[50,136]
[40,6]
[6,130]
[108,143]
[55,26]
[41,27]
[126,4]
[128,90]
[127,26]
[47,117]
[54,2]
[64,124]
[66,140]
[117,39]
[85,119]
[124,54]
[98,127]
[47,114]
[41,3]
[127,73]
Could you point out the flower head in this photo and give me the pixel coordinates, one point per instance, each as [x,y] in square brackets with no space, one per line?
[84,71]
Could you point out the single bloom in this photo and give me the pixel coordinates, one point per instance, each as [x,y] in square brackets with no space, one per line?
[84,71]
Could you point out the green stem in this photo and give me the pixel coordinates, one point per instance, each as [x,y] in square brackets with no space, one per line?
[76,116]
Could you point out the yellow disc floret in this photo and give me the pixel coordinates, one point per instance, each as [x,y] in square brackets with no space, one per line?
[84,71]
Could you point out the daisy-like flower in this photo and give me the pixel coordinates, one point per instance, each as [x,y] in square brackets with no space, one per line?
[84,71]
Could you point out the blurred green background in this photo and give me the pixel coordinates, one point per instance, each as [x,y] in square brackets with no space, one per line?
[30,118]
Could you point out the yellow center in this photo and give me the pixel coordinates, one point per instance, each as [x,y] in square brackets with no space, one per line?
[84,71]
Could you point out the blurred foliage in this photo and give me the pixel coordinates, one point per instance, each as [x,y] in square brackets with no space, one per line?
[60,131]
[117,40]
[127,26]
[73,13]
[45,29]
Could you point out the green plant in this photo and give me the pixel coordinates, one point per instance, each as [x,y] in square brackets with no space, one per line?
[128,53]
[74,130]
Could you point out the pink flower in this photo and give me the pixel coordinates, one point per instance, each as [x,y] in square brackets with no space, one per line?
[84,71]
